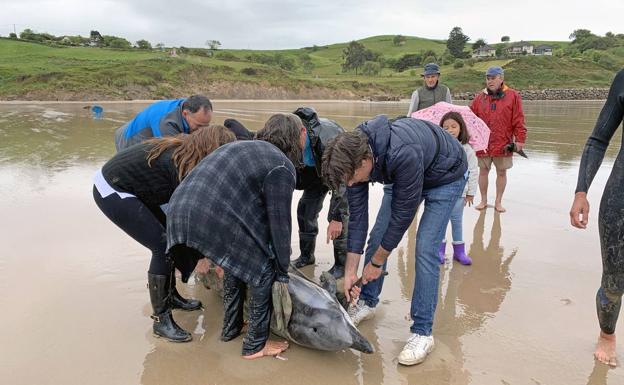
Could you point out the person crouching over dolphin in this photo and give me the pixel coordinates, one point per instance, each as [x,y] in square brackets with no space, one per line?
[235,209]
[424,163]
[131,187]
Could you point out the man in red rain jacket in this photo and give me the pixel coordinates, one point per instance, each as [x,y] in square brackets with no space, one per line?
[500,107]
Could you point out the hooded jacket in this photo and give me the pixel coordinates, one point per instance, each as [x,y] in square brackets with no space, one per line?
[504,116]
[320,132]
[412,155]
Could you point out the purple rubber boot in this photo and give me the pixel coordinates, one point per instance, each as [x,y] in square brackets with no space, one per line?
[441,252]
[459,253]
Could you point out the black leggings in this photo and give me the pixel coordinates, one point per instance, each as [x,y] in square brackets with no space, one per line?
[146,225]
[611,228]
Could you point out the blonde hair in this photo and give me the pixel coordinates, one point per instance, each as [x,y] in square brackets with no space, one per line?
[191,148]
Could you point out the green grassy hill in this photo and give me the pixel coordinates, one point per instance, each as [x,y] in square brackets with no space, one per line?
[39,72]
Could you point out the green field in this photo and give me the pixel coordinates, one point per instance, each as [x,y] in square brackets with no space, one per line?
[39,72]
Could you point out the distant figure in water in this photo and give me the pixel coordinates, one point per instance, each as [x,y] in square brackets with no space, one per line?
[97,111]
[130,190]
[610,217]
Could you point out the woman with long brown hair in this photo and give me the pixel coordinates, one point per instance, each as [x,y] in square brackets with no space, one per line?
[131,187]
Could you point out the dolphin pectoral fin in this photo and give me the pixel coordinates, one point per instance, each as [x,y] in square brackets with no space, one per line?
[360,342]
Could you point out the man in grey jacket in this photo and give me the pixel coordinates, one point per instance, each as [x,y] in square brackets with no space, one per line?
[431,92]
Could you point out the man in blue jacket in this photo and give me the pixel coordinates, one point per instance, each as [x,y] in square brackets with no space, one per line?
[424,163]
[165,118]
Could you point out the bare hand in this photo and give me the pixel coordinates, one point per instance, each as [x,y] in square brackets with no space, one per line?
[370,273]
[352,293]
[203,265]
[519,146]
[334,229]
[579,213]
[468,200]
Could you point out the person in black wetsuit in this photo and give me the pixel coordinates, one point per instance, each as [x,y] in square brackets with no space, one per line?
[131,187]
[610,217]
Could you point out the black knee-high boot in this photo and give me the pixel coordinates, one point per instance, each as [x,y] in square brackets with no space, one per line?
[179,302]
[164,324]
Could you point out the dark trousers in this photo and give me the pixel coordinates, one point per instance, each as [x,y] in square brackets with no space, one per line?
[310,205]
[259,310]
[144,224]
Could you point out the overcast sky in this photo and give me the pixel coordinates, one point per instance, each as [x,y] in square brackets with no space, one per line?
[273,24]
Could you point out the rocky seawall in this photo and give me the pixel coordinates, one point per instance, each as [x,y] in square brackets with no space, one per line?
[551,94]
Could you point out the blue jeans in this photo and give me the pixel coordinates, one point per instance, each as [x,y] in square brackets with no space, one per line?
[439,203]
[457,222]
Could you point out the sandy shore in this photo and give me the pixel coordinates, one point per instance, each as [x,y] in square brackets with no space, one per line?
[77,308]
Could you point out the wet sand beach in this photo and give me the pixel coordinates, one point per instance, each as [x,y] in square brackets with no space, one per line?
[76,308]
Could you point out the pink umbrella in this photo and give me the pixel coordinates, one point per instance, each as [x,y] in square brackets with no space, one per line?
[478,130]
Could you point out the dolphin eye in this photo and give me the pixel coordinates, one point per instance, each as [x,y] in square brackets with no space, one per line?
[314,330]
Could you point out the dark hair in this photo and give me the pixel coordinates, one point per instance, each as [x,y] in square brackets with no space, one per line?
[282,131]
[342,156]
[196,102]
[463,136]
[191,148]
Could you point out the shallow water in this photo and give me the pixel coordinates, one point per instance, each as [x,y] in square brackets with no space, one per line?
[76,309]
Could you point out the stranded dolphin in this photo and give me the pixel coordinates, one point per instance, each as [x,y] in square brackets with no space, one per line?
[316,319]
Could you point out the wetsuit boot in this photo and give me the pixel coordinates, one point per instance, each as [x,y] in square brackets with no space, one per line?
[164,324]
[306,245]
[179,302]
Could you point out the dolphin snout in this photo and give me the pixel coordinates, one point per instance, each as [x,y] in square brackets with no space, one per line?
[361,343]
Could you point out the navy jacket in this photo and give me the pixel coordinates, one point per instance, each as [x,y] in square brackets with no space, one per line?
[412,155]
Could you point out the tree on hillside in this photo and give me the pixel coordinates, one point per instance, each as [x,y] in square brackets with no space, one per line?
[12,35]
[429,54]
[478,44]
[580,34]
[505,39]
[160,46]
[115,42]
[407,61]
[399,40]
[96,39]
[354,56]
[213,45]
[143,44]
[456,42]
[27,34]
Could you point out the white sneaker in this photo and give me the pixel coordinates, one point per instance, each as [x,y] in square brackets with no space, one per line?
[360,312]
[416,349]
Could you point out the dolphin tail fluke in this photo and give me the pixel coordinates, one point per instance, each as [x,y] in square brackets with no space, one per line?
[360,342]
